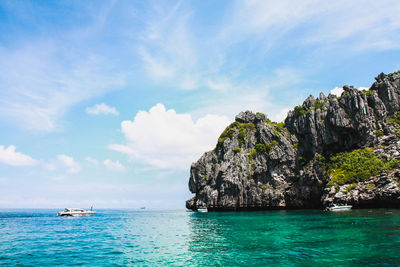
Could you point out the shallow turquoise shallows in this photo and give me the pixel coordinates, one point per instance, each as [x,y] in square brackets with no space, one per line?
[159,238]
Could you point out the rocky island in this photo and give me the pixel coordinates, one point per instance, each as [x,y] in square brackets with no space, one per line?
[328,150]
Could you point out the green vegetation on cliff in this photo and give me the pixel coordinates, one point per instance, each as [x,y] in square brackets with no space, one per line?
[230,131]
[262,148]
[301,110]
[395,119]
[379,133]
[253,153]
[227,133]
[271,145]
[237,150]
[356,166]
[366,92]
[349,188]
[319,104]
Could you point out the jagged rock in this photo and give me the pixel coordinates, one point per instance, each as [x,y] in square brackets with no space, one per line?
[379,191]
[258,164]
[245,117]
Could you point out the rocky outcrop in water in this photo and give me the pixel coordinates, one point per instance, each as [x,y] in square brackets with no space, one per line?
[259,164]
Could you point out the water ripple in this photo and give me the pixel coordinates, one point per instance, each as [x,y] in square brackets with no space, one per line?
[178,238]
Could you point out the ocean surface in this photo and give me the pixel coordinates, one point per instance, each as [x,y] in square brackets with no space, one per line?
[180,238]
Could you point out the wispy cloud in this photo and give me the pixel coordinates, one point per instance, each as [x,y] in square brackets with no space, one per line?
[168,48]
[37,89]
[69,163]
[42,76]
[92,160]
[221,83]
[361,24]
[259,94]
[231,105]
[173,53]
[115,166]
[156,67]
[101,109]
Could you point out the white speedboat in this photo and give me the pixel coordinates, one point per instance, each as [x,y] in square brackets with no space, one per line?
[76,212]
[336,207]
[202,209]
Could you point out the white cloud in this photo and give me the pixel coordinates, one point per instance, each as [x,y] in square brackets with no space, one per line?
[122,148]
[219,84]
[10,157]
[101,109]
[69,163]
[41,80]
[50,166]
[92,160]
[115,166]
[337,91]
[166,139]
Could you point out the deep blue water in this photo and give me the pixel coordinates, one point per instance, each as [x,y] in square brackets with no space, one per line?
[180,238]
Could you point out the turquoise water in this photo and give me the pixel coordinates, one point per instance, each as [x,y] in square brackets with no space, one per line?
[179,238]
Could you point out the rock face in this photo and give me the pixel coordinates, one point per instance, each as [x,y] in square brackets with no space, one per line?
[259,164]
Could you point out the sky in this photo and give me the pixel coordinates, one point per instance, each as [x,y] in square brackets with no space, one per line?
[107,103]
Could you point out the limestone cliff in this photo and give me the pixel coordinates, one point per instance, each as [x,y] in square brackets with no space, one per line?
[259,164]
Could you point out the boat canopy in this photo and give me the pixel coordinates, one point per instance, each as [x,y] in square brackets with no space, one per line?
[73,209]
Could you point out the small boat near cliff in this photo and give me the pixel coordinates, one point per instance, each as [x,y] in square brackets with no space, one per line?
[336,207]
[74,212]
[202,209]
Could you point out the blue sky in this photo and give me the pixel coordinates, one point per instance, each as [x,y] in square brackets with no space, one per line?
[109,102]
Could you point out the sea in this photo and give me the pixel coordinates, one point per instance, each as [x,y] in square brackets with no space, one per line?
[181,238]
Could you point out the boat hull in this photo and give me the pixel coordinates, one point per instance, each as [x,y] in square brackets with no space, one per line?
[76,214]
[340,208]
[202,210]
